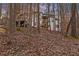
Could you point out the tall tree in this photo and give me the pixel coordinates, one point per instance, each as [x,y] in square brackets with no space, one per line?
[54,25]
[49,16]
[12,17]
[30,16]
[38,18]
[68,25]
[45,16]
[58,17]
[18,13]
[77,21]
[34,15]
[0,9]
[27,19]
[73,18]
[62,18]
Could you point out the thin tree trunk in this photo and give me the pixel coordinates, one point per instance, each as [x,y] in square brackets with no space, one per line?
[38,18]
[45,18]
[62,19]
[34,16]
[58,18]
[0,12]
[68,27]
[0,9]
[49,16]
[77,22]
[30,17]
[17,13]
[54,25]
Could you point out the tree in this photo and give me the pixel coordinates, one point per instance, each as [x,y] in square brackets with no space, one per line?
[58,17]
[12,18]
[77,20]
[30,16]
[62,18]
[53,9]
[73,18]
[17,14]
[45,17]
[49,16]
[34,15]
[68,17]
[0,9]
[38,18]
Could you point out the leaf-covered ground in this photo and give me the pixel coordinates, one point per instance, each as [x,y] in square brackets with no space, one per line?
[44,43]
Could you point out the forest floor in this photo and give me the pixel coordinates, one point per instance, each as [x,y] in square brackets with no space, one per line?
[45,43]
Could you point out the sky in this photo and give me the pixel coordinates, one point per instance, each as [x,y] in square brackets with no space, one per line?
[42,7]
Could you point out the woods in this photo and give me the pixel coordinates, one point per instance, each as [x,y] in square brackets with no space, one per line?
[38,28]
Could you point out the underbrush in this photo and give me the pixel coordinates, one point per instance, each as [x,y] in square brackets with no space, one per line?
[72,37]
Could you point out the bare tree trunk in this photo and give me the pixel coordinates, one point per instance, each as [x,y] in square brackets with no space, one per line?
[54,25]
[73,18]
[68,27]
[12,21]
[77,21]
[27,18]
[68,24]
[34,16]
[18,14]
[12,17]
[62,19]
[58,18]
[0,9]
[38,18]
[49,16]
[0,12]
[30,17]
[18,8]
[45,18]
